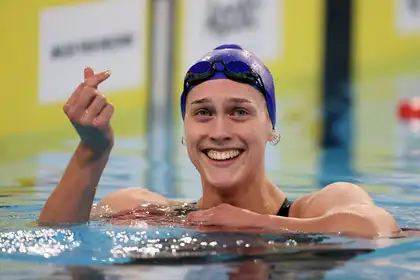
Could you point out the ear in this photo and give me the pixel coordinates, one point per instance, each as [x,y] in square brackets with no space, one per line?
[269,125]
[274,138]
[272,135]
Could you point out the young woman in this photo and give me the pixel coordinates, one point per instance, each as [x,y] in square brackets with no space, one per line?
[229,111]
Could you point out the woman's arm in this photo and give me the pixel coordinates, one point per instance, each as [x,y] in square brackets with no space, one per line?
[90,113]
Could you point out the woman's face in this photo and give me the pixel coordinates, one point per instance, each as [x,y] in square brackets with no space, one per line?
[226,129]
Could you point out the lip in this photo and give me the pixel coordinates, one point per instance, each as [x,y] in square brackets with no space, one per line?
[204,150]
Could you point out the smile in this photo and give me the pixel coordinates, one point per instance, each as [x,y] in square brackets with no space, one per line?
[222,155]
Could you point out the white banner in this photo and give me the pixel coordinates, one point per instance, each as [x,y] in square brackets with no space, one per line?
[408,16]
[105,35]
[256,25]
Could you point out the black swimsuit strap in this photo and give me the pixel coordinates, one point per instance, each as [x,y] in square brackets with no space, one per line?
[283,211]
[285,208]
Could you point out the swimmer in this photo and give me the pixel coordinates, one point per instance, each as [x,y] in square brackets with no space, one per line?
[229,111]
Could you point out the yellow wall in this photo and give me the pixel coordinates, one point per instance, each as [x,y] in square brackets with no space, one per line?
[383,59]
[25,125]
[379,49]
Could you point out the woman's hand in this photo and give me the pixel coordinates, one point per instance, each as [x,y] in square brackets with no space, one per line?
[227,215]
[90,112]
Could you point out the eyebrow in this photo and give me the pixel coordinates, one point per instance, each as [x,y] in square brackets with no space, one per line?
[231,100]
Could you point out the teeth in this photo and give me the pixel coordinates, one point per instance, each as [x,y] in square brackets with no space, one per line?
[216,155]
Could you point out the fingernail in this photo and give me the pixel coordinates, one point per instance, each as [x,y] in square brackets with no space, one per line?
[88,67]
[108,72]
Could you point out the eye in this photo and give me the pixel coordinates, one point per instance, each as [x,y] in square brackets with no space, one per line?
[240,112]
[202,113]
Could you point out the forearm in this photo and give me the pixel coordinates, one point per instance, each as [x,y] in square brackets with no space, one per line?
[72,199]
[346,223]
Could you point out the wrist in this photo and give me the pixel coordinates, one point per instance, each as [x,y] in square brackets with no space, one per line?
[273,221]
[262,220]
[99,141]
[93,150]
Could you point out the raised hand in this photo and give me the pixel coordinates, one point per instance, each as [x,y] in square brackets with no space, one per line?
[90,112]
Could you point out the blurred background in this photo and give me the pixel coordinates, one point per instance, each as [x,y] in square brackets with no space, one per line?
[342,69]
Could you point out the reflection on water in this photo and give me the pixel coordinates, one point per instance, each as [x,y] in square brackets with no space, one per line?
[331,260]
[163,235]
[225,255]
[148,249]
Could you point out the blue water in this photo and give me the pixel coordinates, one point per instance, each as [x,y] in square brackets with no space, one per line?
[103,251]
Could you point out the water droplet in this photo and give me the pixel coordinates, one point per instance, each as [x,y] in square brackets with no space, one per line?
[291,242]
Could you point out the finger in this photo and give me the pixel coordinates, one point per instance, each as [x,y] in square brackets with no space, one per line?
[104,117]
[204,215]
[85,98]
[88,72]
[96,79]
[73,98]
[203,222]
[94,109]
[202,212]
[82,99]
[207,228]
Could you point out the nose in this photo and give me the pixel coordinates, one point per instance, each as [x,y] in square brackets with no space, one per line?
[220,132]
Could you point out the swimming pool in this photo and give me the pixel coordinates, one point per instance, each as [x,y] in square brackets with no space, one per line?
[381,58]
[104,251]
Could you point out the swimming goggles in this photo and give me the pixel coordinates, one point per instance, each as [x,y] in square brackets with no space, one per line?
[234,70]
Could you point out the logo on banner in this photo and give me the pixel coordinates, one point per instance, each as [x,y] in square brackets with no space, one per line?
[95,34]
[92,45]
[223,19]
[256,25]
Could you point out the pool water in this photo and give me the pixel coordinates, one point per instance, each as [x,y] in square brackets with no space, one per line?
[103,250]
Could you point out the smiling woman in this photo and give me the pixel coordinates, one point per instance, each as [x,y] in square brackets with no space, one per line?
[229,110]
[238,127]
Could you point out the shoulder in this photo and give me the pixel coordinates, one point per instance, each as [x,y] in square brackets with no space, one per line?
[137,193]
[345,207]
[333,197]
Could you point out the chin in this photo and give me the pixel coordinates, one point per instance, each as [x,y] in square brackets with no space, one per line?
[223,174]
[222,180]
[221,184]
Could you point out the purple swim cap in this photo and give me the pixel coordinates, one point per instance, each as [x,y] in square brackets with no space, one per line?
[228,53]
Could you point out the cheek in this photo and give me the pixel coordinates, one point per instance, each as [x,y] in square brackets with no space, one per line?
[258,135]
[192,153]
[192,136]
